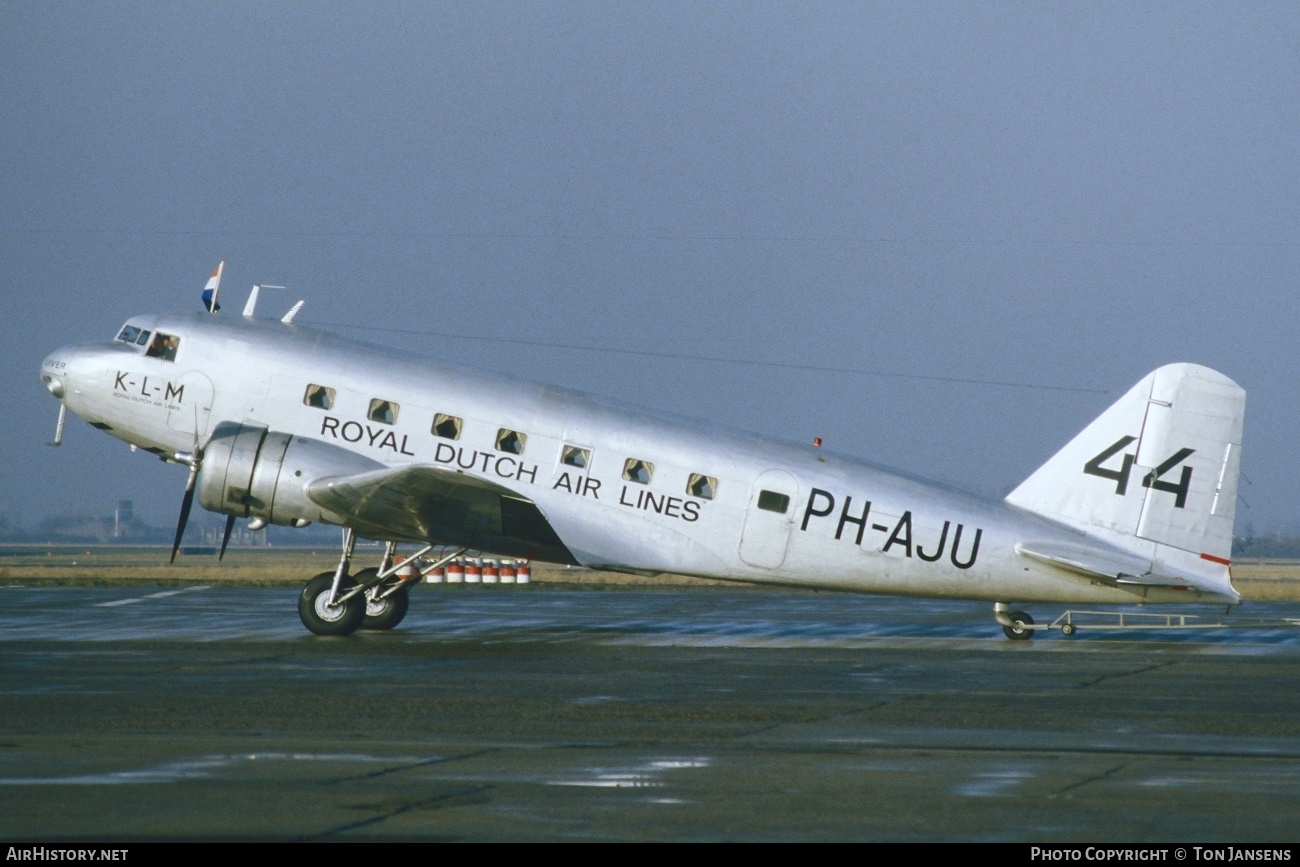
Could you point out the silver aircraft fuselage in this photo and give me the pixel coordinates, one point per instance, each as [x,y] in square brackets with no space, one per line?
[655,492]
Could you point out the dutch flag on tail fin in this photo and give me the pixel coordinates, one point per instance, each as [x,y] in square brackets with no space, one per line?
[209,295]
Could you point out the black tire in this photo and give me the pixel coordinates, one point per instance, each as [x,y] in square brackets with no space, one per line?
[386,613]
[1021,628]
[383,613]
[322,619]
[1068,629]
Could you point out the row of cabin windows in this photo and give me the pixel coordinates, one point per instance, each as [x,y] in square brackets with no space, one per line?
[322,397]
[513,442]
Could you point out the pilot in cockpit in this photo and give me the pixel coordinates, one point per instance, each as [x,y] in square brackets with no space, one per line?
[164,346]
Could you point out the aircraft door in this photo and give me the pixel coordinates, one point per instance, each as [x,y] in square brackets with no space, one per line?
[189,404]
[766,534]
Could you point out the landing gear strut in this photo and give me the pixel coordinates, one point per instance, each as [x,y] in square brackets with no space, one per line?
[334,603]
[386,600]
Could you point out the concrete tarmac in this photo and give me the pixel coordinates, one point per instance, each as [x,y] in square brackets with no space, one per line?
[689,714]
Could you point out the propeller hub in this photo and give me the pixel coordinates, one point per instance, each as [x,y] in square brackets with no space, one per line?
[54,385]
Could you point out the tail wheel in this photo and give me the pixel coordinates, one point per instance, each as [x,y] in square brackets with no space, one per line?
[1021,627]
[324,619]
[383,613]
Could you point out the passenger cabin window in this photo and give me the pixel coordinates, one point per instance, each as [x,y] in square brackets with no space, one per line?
[511,441]
[135,336]
[164,346]
[446,426]
[771,501]
[383,411]
[319,396]
[702,486]
[575,457]
[635,470]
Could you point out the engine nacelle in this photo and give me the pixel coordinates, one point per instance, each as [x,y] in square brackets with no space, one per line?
[251,472]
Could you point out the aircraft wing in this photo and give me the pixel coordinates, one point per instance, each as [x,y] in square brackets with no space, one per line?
[434,504]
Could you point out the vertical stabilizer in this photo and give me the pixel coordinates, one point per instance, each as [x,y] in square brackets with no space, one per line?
[1159,468]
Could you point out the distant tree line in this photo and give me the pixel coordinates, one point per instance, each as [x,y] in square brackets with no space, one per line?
[1274,547]
[105,530]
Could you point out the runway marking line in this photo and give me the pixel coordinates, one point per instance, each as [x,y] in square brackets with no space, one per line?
[159,595]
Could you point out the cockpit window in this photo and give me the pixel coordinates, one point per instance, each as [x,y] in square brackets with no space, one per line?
[133,335]
[164,346]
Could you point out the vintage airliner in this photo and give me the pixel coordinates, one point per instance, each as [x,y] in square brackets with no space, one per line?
[285,424]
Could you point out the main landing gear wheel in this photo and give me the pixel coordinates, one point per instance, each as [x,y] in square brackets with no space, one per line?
[383,613]
[1021,627]
[325,619]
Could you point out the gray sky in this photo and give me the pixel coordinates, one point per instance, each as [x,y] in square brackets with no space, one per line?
[1048,194]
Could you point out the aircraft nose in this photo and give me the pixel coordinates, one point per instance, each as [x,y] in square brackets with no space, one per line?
[54,373]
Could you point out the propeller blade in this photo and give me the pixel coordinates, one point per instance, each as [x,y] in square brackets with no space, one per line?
[225,540]
[186,504]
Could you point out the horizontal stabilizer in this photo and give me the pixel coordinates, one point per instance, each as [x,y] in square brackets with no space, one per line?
[1177,570]
[1086,560]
